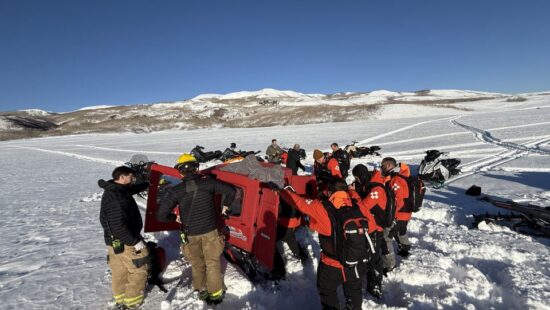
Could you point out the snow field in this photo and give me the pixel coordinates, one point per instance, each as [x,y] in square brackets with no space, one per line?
[52,255]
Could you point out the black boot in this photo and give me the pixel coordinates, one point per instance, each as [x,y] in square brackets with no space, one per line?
[403,250]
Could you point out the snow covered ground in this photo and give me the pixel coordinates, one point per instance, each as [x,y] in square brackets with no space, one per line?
[52,254]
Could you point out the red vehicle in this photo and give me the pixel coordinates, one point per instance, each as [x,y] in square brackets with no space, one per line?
[250,235]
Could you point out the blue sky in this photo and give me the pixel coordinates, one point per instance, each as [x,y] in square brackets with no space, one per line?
[63,55]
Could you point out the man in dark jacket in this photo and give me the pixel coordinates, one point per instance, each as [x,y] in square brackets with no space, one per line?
[122,224]
[202,244]
[293,159]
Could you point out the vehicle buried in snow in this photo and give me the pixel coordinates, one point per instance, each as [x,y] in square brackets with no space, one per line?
[524,218]
[251,233]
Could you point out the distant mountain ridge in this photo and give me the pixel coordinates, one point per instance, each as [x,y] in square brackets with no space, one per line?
[265,107]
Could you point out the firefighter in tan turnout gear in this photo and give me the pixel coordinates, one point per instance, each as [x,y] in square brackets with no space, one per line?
[122,224]
[202,244]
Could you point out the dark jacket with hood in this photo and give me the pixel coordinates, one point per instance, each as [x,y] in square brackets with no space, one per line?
[293,161]
[119,214]
[198,213]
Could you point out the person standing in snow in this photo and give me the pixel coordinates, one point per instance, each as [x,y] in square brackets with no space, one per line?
[274,152]
[201,243]
[396,175]
[325,165]
[293,160]
[122,224]
[369,188]
[331,272]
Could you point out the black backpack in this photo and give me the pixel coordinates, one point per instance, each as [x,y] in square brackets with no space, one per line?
[387,218]
[417,190]
[344,161]
[350,242]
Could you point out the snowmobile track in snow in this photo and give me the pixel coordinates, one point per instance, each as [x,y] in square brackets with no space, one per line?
[487,137]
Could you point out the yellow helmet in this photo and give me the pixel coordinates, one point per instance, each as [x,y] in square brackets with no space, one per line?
[186,163]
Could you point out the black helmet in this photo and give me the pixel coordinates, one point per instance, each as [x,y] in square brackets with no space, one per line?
[233,145]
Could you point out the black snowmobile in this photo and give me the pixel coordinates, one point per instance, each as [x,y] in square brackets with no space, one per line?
[524,218]
[436,168]
[231,153]
[203,156]
[360,151]
[140,164]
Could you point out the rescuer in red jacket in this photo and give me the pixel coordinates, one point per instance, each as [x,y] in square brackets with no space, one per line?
[369,188]
[391,170]
[331,273]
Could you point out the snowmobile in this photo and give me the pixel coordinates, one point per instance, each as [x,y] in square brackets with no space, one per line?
[203,156]
[140,164]
[525,218]
[436,168]
[360,151]
[231,154]
[250,234]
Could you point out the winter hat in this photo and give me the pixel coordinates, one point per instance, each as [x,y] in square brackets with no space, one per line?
[362,172]
[317,154]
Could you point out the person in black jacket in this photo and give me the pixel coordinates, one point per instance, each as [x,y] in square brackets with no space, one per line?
[122,224]
[293,159]
[202,244]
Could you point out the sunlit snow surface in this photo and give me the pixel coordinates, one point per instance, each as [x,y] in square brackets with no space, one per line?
[52,254]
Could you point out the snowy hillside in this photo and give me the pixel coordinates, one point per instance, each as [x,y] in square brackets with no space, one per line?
[262,108]
[52,254]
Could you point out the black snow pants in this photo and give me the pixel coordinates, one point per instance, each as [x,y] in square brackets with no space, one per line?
[328,280]
[375,265]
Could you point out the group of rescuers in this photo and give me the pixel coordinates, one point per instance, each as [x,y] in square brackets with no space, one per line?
[202,243]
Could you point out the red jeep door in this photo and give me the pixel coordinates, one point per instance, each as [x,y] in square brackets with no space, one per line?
[266,233]
[172,177]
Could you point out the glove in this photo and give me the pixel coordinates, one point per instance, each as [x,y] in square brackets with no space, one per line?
[139,246]
[226,212]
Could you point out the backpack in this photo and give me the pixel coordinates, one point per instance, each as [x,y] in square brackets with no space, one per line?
[350,242]
[344,161]
[386,219]
[417,190]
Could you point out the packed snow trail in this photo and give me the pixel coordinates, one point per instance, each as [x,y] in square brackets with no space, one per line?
[486,136]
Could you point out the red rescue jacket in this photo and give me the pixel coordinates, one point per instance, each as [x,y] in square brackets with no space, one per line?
[319,220]
[401,190]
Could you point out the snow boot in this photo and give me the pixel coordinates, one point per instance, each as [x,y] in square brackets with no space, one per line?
[403,250]
[215,298]
[118,306]
[201,295]
[375,291]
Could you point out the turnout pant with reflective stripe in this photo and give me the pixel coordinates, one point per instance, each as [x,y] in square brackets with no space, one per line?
[203,252]
[128,280]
